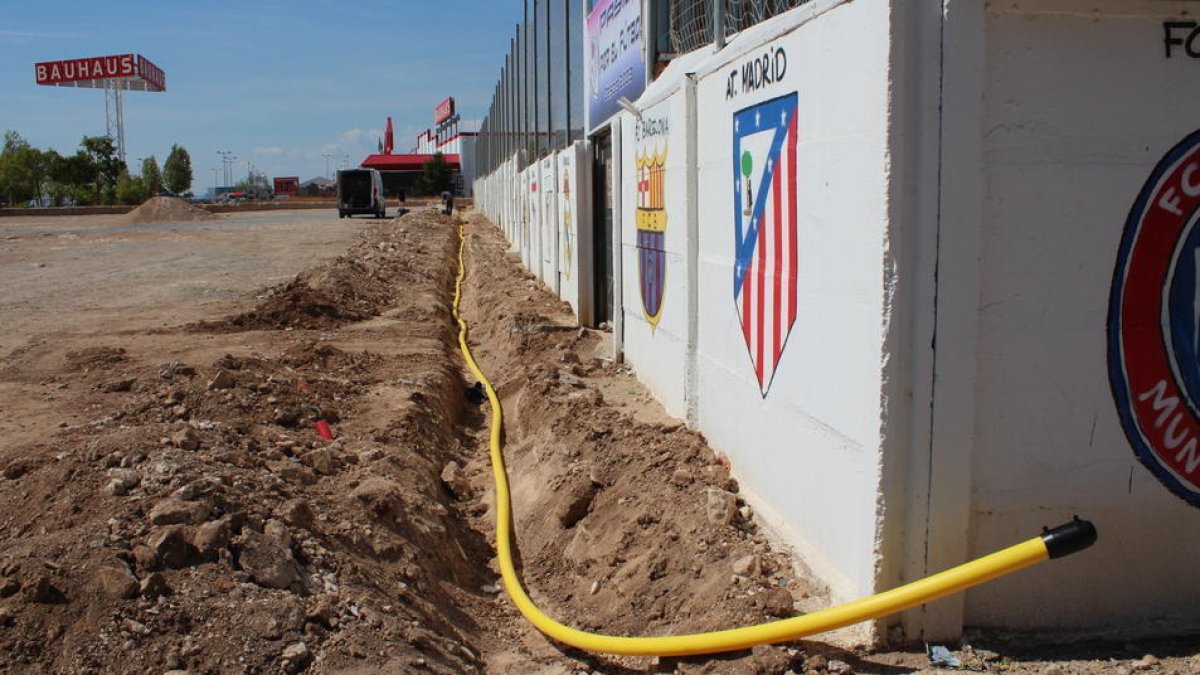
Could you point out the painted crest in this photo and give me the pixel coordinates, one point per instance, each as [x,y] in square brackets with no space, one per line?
[1154,323]
[764,216]
[568,252]
[651,230]
[531,222]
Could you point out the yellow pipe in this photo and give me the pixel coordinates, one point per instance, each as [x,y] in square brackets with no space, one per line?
[1062,541]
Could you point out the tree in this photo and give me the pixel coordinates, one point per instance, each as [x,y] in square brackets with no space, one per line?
[130,189]
[177,170]
[79,174]
[103,153]
[23,169]
[255,184]
[151,176]
[436,176]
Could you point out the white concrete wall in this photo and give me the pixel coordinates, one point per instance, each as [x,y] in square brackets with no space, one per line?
[655,328]
[962,180]
[574,206]
[806,441]
[530,236]
[1081,105]
[548,235]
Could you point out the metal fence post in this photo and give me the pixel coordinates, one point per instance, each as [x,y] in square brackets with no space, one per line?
[718,12]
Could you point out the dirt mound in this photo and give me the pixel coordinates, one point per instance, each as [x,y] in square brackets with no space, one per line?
[165,210]
[356,286]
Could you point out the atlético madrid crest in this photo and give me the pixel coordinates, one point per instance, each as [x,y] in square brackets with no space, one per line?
[1154,322]
[764,217]
[651,230]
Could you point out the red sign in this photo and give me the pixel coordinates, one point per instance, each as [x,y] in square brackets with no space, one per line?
[444,110]
[152,74]
[94,68]
[132,66]
[288,185]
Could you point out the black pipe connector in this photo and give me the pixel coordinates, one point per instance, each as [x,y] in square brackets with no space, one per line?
[1070,538]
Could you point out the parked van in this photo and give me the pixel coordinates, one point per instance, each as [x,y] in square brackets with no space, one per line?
[360,191]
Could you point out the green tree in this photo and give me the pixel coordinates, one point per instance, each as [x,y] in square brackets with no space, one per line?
[23,169]
[151,176]
[255,184]
[78,174]
[130,189]
[177,170]
[103,154]
[436,176]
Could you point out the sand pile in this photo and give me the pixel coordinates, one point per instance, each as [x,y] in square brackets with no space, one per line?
[166,210]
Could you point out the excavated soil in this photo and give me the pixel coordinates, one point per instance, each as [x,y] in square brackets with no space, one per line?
[165,210]
[188,514]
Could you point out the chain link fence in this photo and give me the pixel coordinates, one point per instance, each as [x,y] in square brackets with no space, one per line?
[691,21]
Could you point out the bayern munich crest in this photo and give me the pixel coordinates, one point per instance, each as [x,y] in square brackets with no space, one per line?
[1154,322]
[764,218]
[651,229]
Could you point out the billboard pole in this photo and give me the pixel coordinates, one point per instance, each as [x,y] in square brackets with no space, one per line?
[114,116]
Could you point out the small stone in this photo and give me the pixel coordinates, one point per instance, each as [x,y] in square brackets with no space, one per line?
[320,460]
[211,537]
[117,386]
[115,488]
[186,438]
[1145,663]
[456,480]
[9,587]
[170,546]
[840,667]
[197,488]
[720,506]
[268,562]
[296,657]
[129,478]
[43,591]
[278,531]
[222,380]
[776,601]
[135,627]
[144,557]
[297,475]
[116,582]
[154,586]
[173,511]
[297,513]
[746,566]
[816,662]
[595,588]
[19,467]
[6,617]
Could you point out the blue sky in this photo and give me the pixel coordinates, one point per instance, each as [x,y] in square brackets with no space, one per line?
[278,83]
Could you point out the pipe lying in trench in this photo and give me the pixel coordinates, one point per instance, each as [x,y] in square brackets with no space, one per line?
[1063,540]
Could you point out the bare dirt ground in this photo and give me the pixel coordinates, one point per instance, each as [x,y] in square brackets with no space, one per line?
[166,502]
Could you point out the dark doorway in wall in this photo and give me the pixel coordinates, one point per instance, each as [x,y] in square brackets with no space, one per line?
[602,231]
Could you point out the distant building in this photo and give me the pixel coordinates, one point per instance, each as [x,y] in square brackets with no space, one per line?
[457,147]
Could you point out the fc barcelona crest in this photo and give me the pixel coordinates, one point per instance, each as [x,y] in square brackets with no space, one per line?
[764,216]
[651,229]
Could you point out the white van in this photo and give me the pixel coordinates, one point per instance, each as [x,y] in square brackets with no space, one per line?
[360,191]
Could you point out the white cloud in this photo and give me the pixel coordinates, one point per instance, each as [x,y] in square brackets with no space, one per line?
[360,136]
